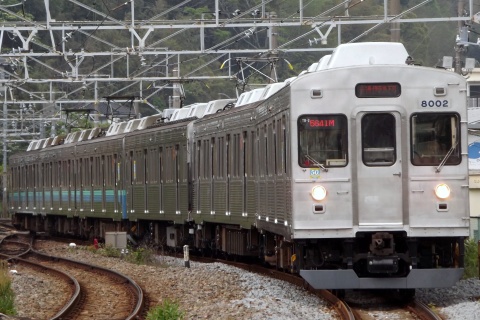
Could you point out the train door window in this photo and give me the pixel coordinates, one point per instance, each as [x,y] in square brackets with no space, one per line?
[98,172]
[81,169]
[435,139]
[173,170]
[261,151]
[54,174]
[58,177]
[194,162]
[101,168]
[245,150]
[227,157]
[116,168]
[62,173]
[95,171]
[89,171]
[113,170]
[266,137]
[322,141]
[206,160]
[253,154]
[284,143]
[236,155]
[151,168]
[272,137]
[50,175]
[160,165]
[212,158]
[108,171]
[278,147]
[70,174]
[66,173]
[92,171]
[80,172]
[145,163]
[132,174]
[168,164]
[199,159]
[175,156]
[378,139]
[247,138]
[30,171]
[139,172]
[221,157]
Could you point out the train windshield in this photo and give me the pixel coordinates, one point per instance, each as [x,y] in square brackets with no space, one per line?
[435,139]
[378,139]
[322,141]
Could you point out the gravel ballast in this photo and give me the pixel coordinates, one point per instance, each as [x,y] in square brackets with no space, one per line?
[219,291]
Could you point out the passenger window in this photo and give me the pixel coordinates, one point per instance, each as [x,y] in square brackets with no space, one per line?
[435,139]
[378,139]
[322,141]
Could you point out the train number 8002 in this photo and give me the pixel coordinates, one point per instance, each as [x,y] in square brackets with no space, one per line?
[434,104]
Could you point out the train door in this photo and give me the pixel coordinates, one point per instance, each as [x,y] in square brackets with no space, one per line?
[379,172]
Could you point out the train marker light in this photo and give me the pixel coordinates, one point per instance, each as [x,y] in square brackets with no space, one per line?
[442,191]
[319,193]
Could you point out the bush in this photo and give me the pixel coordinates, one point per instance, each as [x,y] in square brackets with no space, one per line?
[7,295]
[141,256]
[471,259]
[110,251]
[168,310]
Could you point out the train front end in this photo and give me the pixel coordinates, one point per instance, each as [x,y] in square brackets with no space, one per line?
[379,172]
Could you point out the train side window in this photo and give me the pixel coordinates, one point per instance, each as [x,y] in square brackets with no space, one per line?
[378,139]
[221,157]
[435,138]
[322,141]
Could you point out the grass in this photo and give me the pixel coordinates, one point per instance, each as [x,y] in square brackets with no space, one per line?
[167,310]
[142,255]
[471,259]
[7,295]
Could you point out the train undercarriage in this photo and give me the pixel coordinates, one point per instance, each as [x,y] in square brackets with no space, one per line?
[370,260]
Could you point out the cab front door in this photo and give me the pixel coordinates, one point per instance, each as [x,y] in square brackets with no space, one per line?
[379,172]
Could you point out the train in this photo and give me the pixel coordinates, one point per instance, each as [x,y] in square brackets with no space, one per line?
[352,174]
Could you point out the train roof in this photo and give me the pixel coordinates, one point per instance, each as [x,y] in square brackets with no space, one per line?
[368,53]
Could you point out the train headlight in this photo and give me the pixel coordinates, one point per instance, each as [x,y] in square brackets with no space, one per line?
[442,191]
[319,193]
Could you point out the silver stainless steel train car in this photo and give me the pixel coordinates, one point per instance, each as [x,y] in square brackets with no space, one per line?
[353,175]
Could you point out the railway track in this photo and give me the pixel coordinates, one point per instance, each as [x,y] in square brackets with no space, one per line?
[92,292]
[346,310]
[370,305]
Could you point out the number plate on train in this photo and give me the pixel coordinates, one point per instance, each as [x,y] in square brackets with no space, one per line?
[434,103]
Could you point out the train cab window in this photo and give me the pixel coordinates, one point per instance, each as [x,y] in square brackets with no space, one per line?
[435,139]
[378,139]
[322,141]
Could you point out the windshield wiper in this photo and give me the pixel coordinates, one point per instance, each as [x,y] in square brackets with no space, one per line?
[449,153]
[316,163]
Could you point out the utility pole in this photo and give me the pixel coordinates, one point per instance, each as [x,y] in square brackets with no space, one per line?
[395,25]
[460,49]
[273,55]
[3,89]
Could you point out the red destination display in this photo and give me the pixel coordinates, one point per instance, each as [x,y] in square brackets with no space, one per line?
[378,90]
[315,123]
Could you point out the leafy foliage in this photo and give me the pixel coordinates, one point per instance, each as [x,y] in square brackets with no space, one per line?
[471,259]
[7,295]
[167,310]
